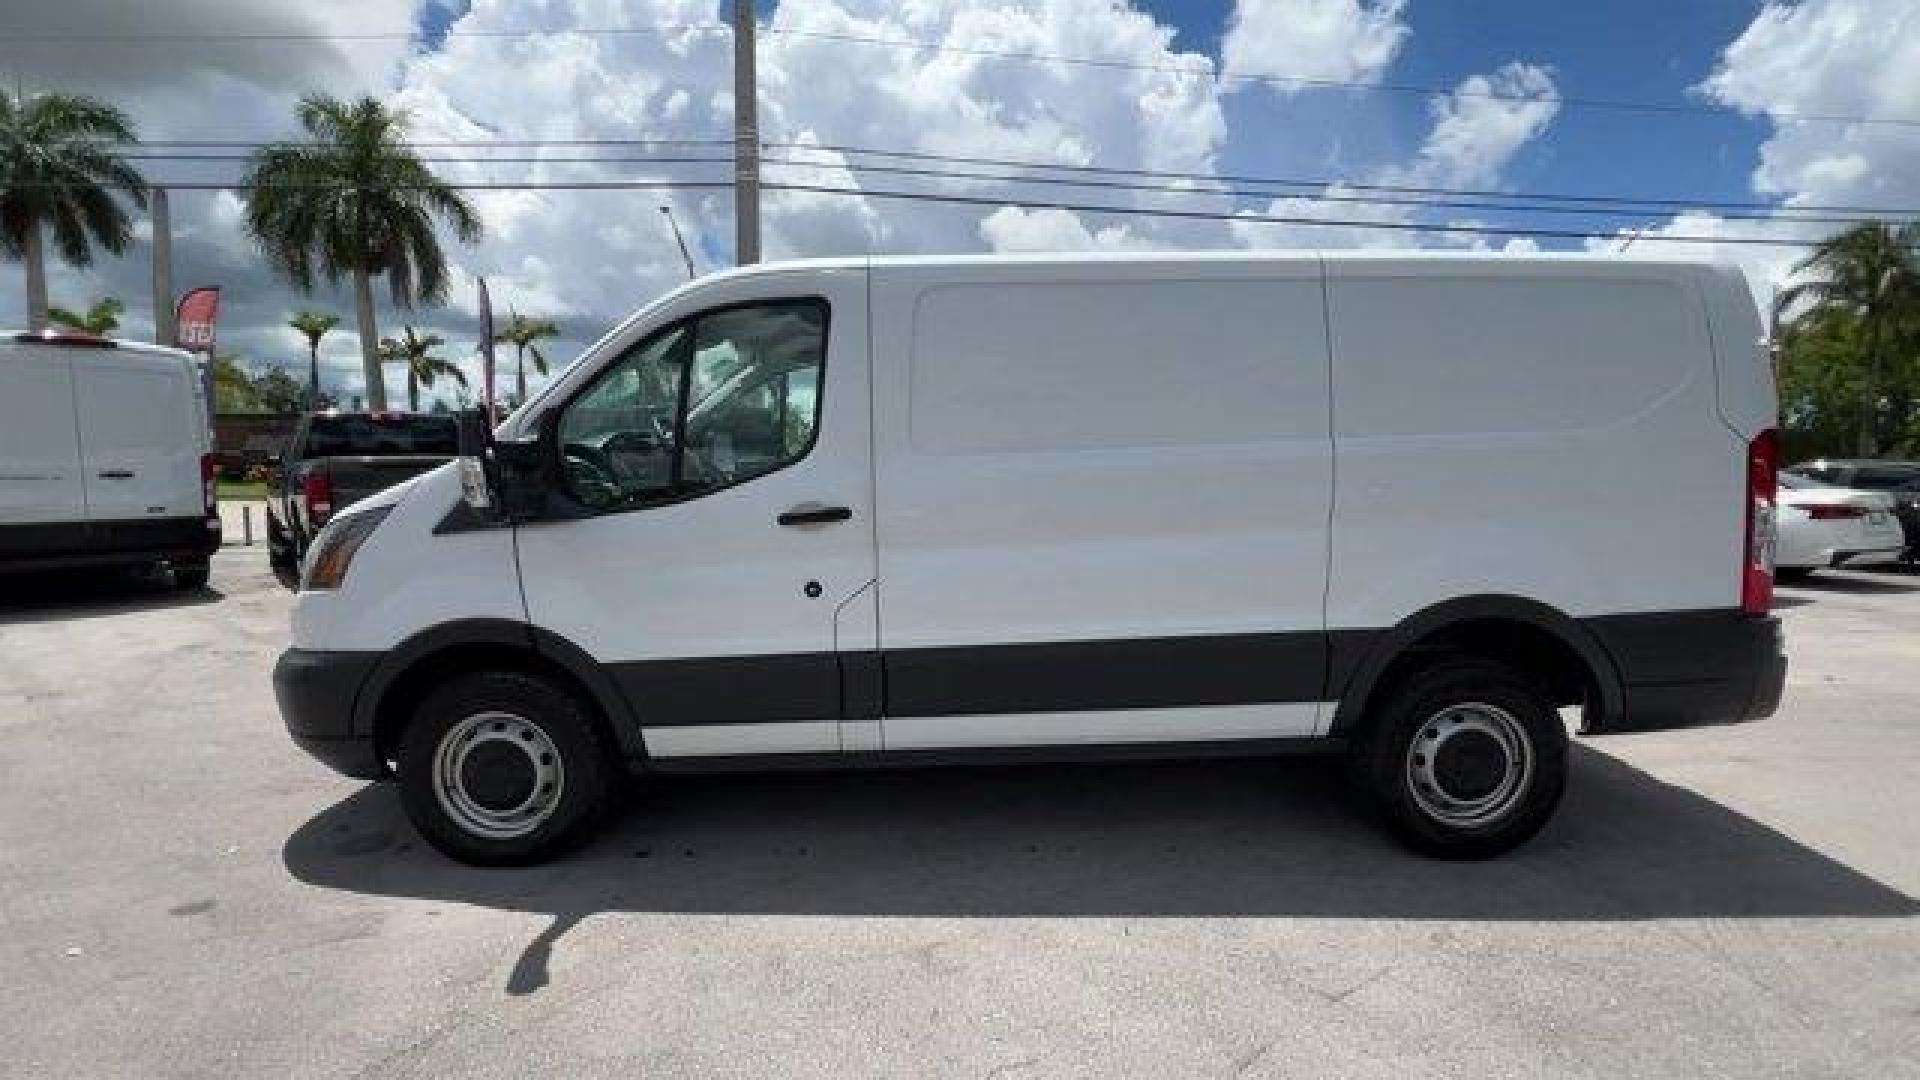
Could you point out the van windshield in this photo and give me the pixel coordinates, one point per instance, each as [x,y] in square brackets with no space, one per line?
[371,436]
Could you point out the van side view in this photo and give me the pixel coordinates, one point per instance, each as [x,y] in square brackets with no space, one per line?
[105,457]
[905,511]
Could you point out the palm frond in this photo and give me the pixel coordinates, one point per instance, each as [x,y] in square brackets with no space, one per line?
[353,197]
[59,170]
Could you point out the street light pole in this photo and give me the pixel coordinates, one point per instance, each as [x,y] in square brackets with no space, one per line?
[680,240]
[746,139]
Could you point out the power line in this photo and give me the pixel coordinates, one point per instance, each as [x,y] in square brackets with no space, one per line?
[1792,214]
[1205,69]
[1407,189]
[1300,187]
[1279,219]
[1319,196]
[1246,217]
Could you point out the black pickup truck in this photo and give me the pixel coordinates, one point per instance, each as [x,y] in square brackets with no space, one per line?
[333,459]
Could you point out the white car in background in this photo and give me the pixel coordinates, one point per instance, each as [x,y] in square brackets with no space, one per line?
[1821,526]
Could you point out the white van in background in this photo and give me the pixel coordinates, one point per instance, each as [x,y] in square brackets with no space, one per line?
[105,457]
[899,511]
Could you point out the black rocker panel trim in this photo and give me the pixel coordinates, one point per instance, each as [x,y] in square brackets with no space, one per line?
[1130,673]
[795,687]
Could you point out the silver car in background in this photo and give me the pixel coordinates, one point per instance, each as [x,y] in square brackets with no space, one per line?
[1823,526]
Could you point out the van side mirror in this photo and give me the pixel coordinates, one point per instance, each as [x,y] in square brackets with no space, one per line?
[506,480]
[523,475]
[473,445]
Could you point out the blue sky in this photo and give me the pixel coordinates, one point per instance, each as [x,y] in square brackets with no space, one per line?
[636,70]
[1598,51]
[1622,50]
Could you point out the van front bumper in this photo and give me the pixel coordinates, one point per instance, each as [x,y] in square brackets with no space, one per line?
[316,690]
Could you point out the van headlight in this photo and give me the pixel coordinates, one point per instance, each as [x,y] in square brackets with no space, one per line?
[337,544]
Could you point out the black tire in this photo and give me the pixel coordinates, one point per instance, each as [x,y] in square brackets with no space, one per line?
[1792,575]
[558,722]
[1510,704]
[191,573]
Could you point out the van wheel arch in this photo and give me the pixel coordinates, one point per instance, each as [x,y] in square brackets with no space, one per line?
[1541,641]
[413,669]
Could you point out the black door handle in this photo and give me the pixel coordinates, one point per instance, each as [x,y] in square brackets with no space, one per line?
[116,474]
[814,514]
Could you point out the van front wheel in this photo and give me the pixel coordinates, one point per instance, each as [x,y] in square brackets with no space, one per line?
[502,769]
[1468,759]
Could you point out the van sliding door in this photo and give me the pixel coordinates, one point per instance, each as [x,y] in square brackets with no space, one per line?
[1103,495]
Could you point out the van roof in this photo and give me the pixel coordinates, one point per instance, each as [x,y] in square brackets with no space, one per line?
[73,339]
[1063,258]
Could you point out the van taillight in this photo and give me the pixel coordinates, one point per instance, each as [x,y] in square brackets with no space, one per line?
[209,484]
[1756,572]
[316,489]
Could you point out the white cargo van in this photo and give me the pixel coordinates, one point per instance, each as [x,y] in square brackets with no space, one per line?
[959,509]
[104,457]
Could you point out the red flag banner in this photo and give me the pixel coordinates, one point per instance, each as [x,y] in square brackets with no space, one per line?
[193,320]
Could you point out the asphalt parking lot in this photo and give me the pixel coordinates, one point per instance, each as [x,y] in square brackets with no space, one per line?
[185,894]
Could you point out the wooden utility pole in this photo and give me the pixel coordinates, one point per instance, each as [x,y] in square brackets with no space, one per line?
[746,139]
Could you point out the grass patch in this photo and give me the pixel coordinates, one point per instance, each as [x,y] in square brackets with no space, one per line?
[242,491]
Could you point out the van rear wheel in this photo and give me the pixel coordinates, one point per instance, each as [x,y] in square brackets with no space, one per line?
[502,769]
[1467,759]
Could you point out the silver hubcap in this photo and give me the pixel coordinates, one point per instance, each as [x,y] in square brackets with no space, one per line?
[1469,765]
[497,775]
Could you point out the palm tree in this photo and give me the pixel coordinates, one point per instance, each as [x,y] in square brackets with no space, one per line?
[526,334]
[1871,272]
[314,325]
[353,201]
[100,320]
[416,352]
[59,170]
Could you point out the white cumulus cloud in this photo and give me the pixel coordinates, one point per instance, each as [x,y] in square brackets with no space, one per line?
[1330,40]
[1481,125]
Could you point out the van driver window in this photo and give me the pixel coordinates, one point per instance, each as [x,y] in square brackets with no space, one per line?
[703,405]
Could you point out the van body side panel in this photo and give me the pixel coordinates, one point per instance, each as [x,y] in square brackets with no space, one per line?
[426,580]
[40,477]
[1749,401]
[1101,488]
[1543,430]
[141,435]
